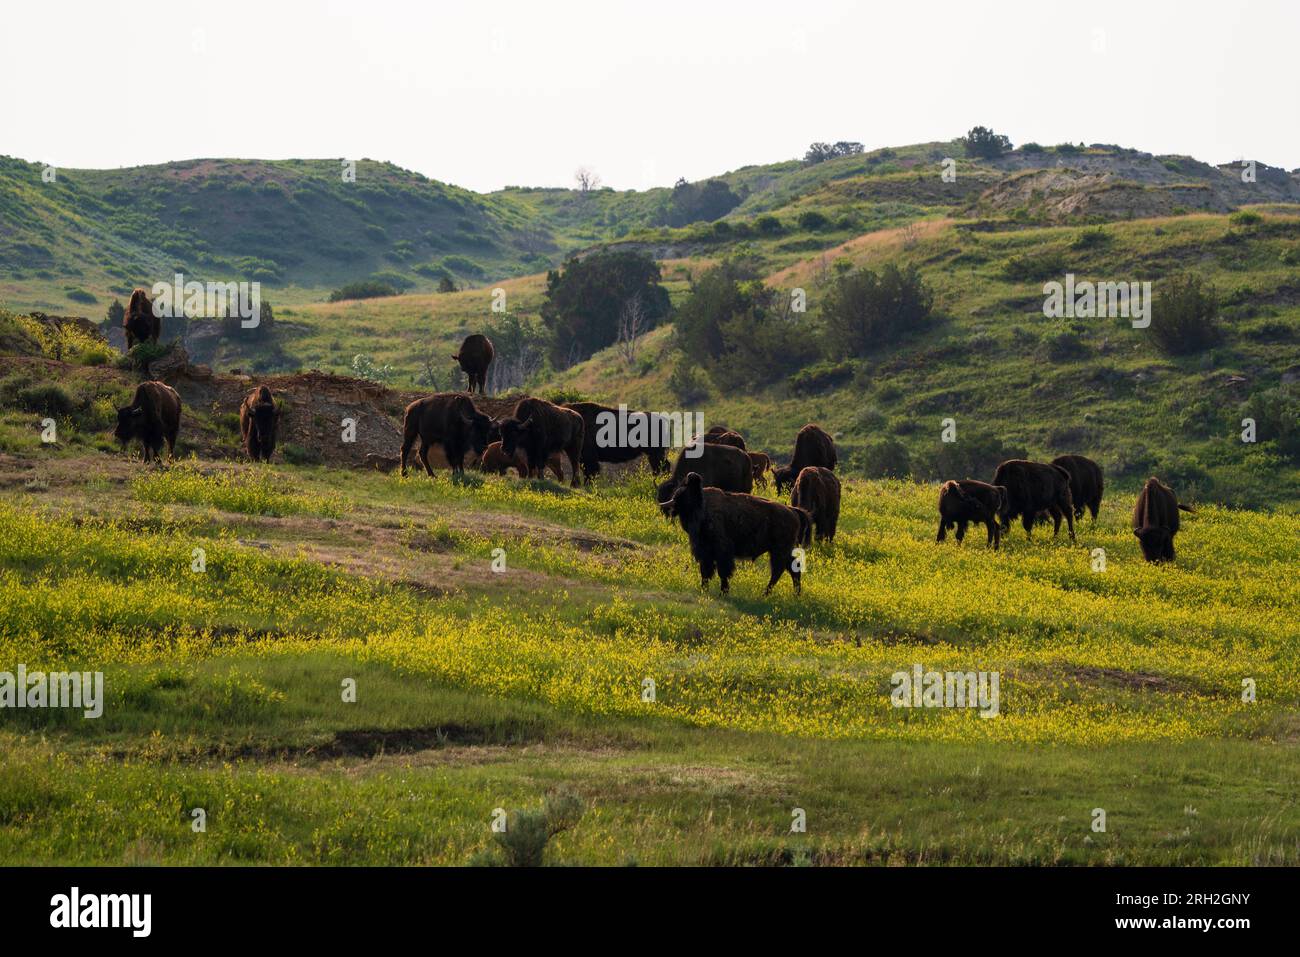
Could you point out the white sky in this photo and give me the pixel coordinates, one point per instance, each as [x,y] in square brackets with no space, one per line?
[487,93]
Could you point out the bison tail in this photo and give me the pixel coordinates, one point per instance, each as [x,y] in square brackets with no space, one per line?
[805,526]
[1187,508]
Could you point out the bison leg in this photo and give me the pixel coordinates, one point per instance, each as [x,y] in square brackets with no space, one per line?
[706,572]
[1027,520]
[726,568]
[1069,522]
[423,456]
[961,530]
[407,441]
[573,455]
[943,531]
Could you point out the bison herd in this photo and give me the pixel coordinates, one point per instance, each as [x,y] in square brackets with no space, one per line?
[709,487]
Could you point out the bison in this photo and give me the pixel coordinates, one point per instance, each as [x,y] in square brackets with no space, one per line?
[154,416]
[475,356]
[1034,487]
[725,526]
[720,436]
[259,419]
[542,429]
[495,461]
[449,419]
[966,500]
[761,465]
[139,322]
[1085,483]
[721,466]
[644,434]
[812,446]
[1155,520]
[817,492]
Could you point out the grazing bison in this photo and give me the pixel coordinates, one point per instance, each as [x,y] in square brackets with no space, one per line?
[259,419]
[644,434]
[495,461]
[154,416]
[475,356]
[761,465]
[542,429]
[721,466]
[817,492]
[720,436]
[1034,487]
[1155,520]
[812,446]
[449,419]
[724,526]
[139,322]
[964,501]
[1085,483]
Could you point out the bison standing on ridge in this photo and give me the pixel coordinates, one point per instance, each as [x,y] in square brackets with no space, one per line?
[475,356]
[541,429]
[964,501]
[259,419]
[817,492]
[1034,487]
[725,526]
[645,434]
[812,446]
[496,462]
[154,416]
[139,323]
[720,466]
[1086,483]
[1155,520]
[449,419]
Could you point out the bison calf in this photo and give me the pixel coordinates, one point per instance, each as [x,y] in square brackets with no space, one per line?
[965,501]
[495,461]
[1155,520]
[154,416]
[817,492]
[259,420]
[724,526]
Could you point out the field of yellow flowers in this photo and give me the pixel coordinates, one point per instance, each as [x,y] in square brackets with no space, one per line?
[226,605]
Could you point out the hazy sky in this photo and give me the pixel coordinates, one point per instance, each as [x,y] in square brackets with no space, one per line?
[485,94]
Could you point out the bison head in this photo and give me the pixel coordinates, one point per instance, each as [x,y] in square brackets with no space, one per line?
[1154,540]
[515,434]
[130,424]
[1004,506]
[687,503]
[478,426]
[264,416]
[784,478]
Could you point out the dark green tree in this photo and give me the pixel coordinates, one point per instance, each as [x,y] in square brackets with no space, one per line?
[982,143]
[585,298]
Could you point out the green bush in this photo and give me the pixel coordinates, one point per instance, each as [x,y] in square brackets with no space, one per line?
[864,311]
[821,376]
[1035,266]
[46,398]
[365,289]
[1184,315]
[884,458]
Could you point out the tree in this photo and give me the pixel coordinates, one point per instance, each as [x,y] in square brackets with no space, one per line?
[520,352]
[699,202]
[632,324]
[585,298]
[446,284]
[982,143]
[821,152]
[863,310]
[1184,317]
[587,180]
[116,313]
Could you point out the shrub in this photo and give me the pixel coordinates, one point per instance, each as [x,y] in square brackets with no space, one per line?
[864,310]
[1034,266]
[1184,316]
[46,398]
[1277,418]
[524,840]
[812,220]
[1091,239]
[886,458]
[1065,347]
[768,225]
[983,143]
[1245,217]
[1031,148]
[365,289]
[687,384]
[820,376]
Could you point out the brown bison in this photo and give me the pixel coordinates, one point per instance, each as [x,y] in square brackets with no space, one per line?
[542,429]
[964,501]
[154,416]
[449,419]
[642,433]
[720,436]
[721,466]
[495,461]
[725,526]
[139,322]
[817,492]
[1034,487]
[1086,483]
[812,446]
[259,419]
[761,465]
[475,356]
[1155,520]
